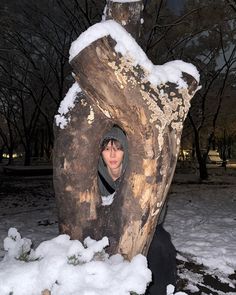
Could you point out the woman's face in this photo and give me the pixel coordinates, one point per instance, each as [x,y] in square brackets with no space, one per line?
[113,157]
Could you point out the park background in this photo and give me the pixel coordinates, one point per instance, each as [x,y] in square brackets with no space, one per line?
[35,76]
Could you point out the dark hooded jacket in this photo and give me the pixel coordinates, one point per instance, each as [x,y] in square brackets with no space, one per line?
[106,184]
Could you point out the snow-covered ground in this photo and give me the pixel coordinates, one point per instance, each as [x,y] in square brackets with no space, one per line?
[201,219]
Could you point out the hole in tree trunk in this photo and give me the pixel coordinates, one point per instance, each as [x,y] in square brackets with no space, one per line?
[112,163]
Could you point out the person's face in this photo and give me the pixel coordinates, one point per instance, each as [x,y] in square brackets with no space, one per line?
[113,156]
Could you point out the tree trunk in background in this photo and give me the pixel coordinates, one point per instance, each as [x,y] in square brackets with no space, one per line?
[127,14]
[35,151]
[10,154]
[1,154]
[42,138]
[224,147]
[152,117]
[27,155]
[201,158]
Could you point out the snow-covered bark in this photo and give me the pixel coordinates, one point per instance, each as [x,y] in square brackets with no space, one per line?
[150,104]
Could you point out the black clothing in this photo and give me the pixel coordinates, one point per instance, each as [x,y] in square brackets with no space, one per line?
[110,189]
[162,262]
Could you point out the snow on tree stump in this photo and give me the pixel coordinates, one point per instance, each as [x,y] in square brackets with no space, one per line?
[120,86]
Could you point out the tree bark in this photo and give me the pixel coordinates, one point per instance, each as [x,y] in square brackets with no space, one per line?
[201,158]
[27,155]
[1,154]
[152,118]
[127,14]
[10,154]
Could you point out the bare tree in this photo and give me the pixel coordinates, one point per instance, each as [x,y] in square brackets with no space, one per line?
[204,39]
[34,62]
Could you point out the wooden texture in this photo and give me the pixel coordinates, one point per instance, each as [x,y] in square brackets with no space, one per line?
[46,292]
[116,92]
[128,14]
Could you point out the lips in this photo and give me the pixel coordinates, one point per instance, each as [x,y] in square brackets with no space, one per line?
[113,162]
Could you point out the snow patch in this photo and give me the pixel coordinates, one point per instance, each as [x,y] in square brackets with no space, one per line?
[67,104]
[15,245]
[108,200]
[69,267]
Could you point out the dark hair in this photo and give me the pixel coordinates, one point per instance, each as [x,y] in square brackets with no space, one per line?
[113,141]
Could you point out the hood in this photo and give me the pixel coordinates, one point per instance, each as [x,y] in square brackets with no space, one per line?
[118,134]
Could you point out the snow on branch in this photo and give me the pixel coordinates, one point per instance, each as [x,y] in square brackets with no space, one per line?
[127,46]
[67,104]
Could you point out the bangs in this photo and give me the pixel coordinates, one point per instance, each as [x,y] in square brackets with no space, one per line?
[113,141]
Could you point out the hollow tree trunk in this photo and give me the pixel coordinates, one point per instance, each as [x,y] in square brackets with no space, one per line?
[152,118]
[117,92]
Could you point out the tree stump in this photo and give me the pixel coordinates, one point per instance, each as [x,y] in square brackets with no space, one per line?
[128,14]
[116,91]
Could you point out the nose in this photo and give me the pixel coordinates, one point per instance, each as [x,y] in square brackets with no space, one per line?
[112,153]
